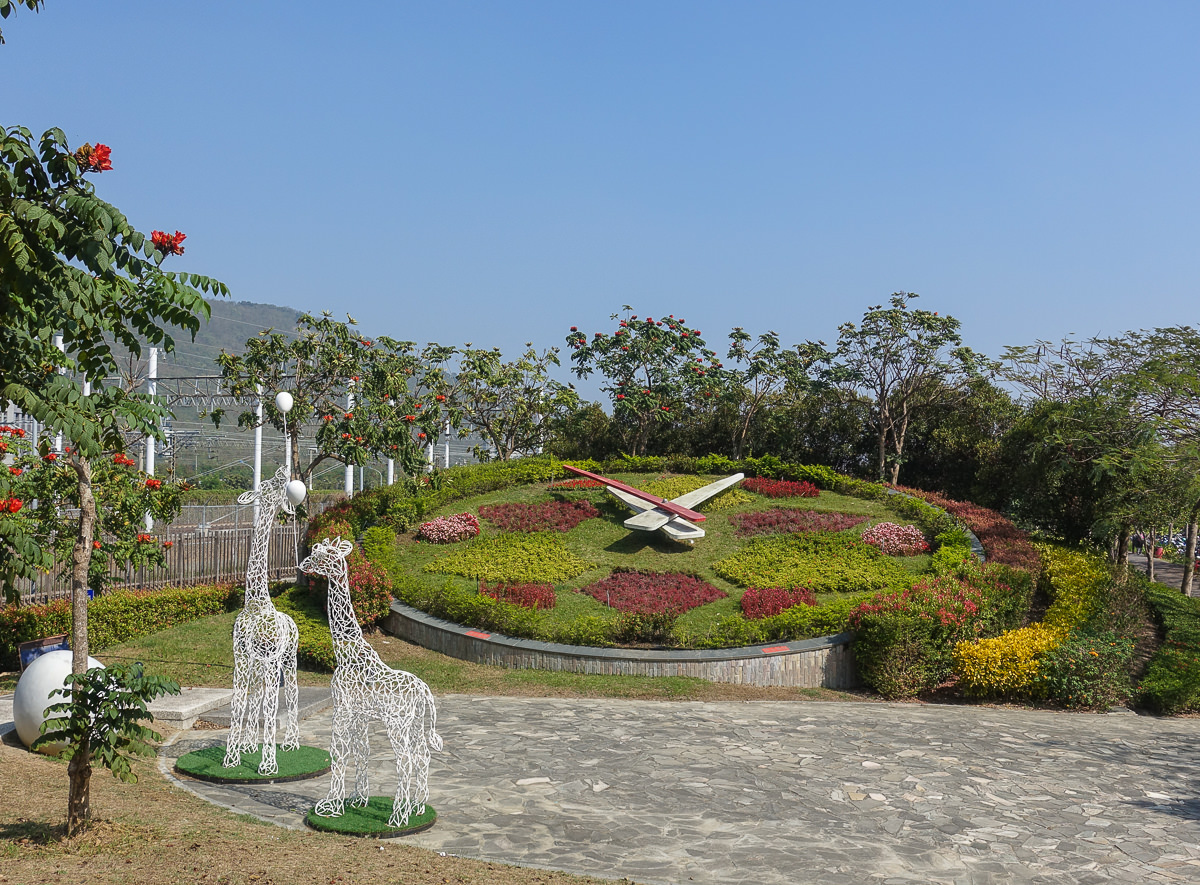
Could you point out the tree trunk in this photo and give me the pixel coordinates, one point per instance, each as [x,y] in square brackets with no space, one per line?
[1150,542]
[80,769]
[79,810]
[882,453]
[1189,555]
[81,560]
[1122,557]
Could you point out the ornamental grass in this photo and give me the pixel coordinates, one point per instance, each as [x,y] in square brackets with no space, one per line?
[652,593]
[786,520]
[550,516]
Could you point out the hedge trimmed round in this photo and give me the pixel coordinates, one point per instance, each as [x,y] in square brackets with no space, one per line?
[294,765]
[371,820]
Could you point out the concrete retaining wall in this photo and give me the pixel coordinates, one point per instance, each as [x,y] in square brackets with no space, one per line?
[812,663]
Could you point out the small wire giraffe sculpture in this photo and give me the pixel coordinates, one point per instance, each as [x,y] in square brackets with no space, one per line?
[365,688]
[264,647]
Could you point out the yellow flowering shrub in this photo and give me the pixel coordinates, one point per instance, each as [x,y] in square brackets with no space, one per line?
[1009,665]
[1006,665]
[1076,581]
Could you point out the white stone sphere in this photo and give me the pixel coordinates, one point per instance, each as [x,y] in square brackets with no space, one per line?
[295,491]
[32,696]
[283,401]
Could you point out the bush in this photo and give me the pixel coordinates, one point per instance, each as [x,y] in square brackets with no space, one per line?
[1077,582]
[896,540]
[539,596]
[1086,671]
[316,643]
[449,529]
[114,617]
[379,546]
[1172,680]
[1006,666]
[551,516]
[370,589]
[765,602]
[786,520]
[824,562]
[905,640]
[657,628]
[649,593]
[780,488]
[539,558]
[472,609]
[798,622]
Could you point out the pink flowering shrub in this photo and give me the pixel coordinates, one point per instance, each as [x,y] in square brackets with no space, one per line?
[449,529]
[535,596]
[766,602]
[648,593]
[783,520]
[552,516]
[896,540]
[780,488]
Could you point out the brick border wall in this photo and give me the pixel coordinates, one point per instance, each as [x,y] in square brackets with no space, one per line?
[827,662]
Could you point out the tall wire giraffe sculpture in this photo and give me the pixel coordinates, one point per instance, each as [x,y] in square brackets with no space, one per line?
[365,688]
[264,646]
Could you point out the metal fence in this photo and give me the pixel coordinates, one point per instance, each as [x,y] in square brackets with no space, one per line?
[198,555]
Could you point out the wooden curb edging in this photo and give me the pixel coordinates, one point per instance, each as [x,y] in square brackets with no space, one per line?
[827,662]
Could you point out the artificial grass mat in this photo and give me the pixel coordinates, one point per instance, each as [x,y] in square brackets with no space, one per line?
[371,820]
[294,765]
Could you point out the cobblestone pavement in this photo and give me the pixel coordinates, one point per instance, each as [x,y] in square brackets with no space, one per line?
[775,792]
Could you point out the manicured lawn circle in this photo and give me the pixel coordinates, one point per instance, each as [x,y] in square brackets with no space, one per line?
[371,820]
[294,765]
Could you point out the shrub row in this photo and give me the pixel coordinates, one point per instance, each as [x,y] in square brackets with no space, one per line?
[114,617]
[1172,681]
[780,488]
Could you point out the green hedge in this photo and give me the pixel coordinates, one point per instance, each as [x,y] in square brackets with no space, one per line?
[1172,681]
[114,617]
[316,642]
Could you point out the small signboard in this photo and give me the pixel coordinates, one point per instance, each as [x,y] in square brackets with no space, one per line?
[32,650]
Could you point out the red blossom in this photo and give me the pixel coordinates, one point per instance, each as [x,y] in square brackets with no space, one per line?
[12,505]
[168,244]
[51,457]
[440,398]
[154,483]
[168,544]
[15,471]
[95,545]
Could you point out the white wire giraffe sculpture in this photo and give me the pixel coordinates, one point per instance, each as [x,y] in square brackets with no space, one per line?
[365,688]
[264,647]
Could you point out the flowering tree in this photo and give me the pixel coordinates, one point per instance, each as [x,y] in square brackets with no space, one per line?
[511,403]
[653,368]
[72,264]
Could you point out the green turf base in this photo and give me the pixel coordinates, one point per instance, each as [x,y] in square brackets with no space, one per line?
[294,765]
[371,820]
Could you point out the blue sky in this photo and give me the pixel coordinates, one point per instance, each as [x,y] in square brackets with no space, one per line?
[497,172]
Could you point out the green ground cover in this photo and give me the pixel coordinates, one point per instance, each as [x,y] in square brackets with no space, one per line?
[425,571]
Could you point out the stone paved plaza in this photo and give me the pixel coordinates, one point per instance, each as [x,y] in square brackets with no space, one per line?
[791,792]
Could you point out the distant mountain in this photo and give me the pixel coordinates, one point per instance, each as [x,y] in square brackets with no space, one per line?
[229,327]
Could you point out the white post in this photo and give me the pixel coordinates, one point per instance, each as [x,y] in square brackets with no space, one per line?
[348,486]
[258,421]
[391,471]
[58,437]
[447,432]
[429,457]
[152,380]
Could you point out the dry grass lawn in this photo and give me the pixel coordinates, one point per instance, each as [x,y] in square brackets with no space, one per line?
[152,832]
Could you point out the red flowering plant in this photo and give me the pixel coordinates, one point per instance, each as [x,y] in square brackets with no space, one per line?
[575,485]
[896,540]
[783,520]
[650,369]
[534,596]
[780,488]
[646,593]
[766,602]
[551,516]
[168,244]
[123,496]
